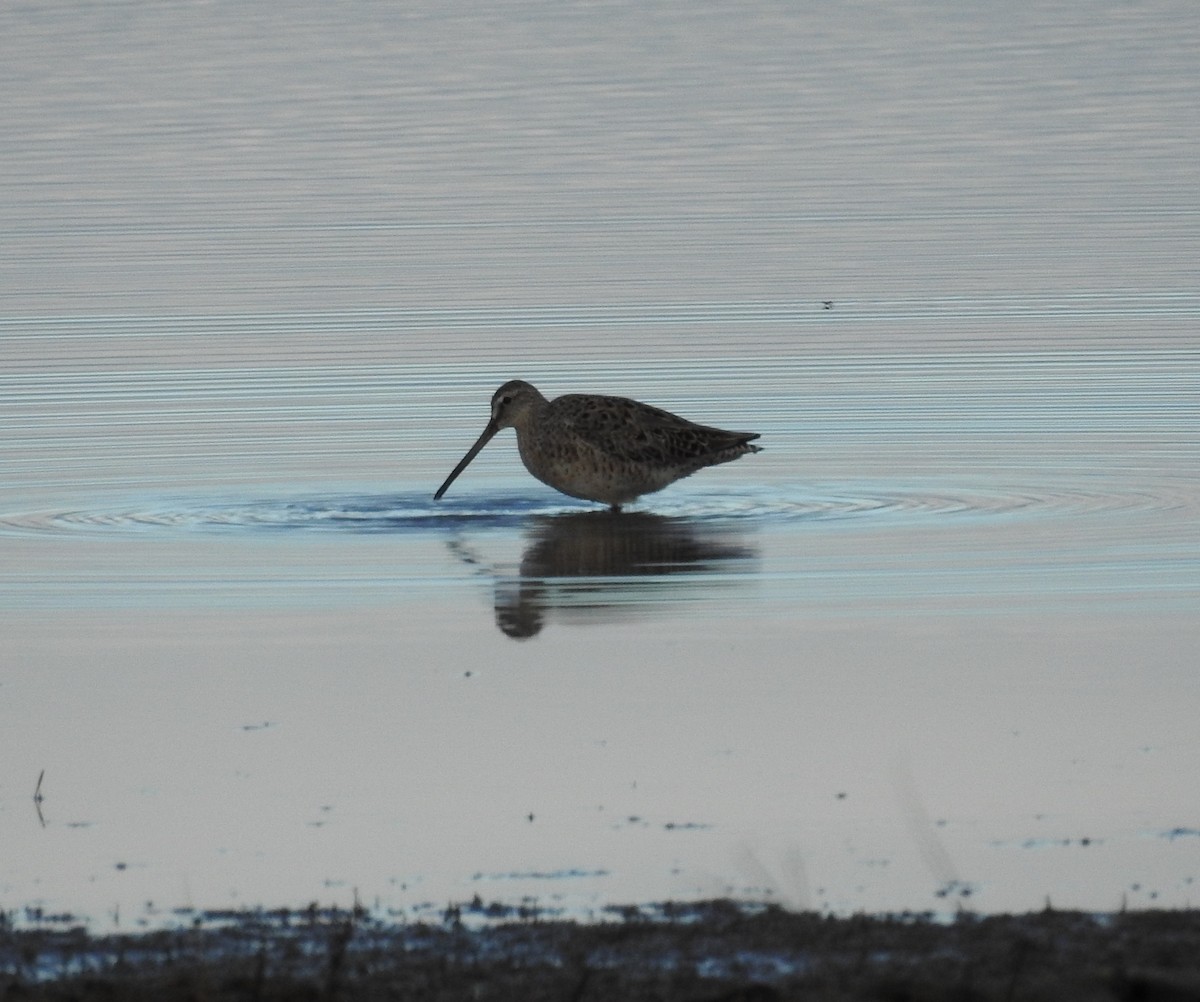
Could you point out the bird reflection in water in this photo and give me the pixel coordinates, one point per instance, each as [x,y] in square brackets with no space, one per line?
[601,566]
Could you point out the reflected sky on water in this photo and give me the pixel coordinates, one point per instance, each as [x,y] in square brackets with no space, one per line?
[261,274]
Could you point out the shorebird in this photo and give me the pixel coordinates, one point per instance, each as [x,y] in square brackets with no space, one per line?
[606,449]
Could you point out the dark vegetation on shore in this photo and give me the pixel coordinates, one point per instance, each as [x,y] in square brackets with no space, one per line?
[705,952]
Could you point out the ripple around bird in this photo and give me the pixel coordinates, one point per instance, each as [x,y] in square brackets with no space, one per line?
[878,503]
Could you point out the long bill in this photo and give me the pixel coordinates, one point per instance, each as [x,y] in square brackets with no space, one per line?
[486,437]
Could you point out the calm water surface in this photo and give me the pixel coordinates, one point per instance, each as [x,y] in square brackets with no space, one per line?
[261,274]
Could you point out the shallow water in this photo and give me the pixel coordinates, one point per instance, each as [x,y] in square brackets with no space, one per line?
[936,644]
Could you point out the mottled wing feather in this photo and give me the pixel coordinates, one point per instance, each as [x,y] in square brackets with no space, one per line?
[634,432]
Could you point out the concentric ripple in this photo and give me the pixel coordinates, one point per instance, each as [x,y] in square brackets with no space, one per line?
[382,513]
[886,500]
[882,503]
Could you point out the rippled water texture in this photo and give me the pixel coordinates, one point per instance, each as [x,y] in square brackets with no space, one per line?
[934,646]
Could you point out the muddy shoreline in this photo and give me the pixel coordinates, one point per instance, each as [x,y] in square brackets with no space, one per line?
[717,950]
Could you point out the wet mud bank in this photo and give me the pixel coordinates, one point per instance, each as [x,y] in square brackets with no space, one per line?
[715,950]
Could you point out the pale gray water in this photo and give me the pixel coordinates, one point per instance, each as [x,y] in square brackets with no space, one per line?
[261,271]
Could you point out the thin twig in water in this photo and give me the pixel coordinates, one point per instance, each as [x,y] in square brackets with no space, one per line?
[38,798]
